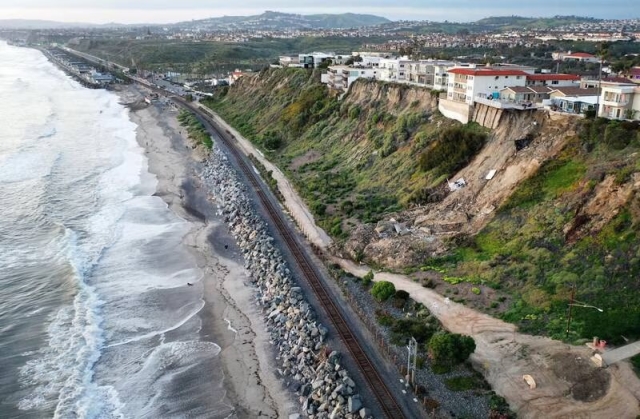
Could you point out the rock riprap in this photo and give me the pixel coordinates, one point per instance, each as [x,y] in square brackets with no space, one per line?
[304,361]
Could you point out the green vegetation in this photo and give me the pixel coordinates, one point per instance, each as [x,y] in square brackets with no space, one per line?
[366,280]
[195,129]
[354,160]
[542,242]
[210,57]
[449,349]
[383,290]
[464,383]
[453,149]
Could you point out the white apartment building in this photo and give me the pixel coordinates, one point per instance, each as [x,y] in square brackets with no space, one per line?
[394,70]
[341,77]
[430,73]
[619,100]
[553,80]
[465,84]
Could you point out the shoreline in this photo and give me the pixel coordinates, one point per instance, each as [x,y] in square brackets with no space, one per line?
[248,372]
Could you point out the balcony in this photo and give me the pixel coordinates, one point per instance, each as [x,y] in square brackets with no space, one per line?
[616,103]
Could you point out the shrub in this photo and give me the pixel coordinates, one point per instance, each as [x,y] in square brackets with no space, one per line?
[450,348]
[461,383]
[385,319]
[475,290]
[354,112]
[366,280]
[616,137]
[454,148]
[402,295]
[383,290]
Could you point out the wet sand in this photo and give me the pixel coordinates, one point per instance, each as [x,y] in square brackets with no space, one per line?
[230,317]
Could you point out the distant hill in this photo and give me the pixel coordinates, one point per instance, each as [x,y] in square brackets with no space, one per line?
[49,24]
[508,22]
[278,20]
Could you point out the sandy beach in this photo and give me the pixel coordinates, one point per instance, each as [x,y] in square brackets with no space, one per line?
[230,316]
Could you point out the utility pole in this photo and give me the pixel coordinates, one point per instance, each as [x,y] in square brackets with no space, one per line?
[412,359]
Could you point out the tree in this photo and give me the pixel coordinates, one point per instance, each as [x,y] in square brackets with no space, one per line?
[383,290]
[450,348]
[325,64]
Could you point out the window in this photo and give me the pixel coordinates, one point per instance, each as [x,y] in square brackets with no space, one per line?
[506,77]
[554,82]
[518,77]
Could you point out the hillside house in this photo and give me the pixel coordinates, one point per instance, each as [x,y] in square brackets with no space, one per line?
[465,84]
[619,100]
[341,77]
[582,57]
[553,80]
[394,70]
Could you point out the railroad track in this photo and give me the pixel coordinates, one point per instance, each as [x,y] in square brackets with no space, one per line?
[378,387]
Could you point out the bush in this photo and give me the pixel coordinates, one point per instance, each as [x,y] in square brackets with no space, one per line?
[452,150]
[616,137]
[354,112]
[385,319]
[461,383]
[402,295]
[366,280]
[450,348]
[383,290]
[475,290]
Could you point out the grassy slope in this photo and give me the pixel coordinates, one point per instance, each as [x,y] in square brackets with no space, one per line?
[525,251]
[530,251]
[351,163]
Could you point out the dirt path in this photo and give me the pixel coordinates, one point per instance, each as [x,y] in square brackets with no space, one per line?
[568,385]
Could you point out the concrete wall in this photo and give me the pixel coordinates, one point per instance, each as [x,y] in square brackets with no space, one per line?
[455,110]
[487,116]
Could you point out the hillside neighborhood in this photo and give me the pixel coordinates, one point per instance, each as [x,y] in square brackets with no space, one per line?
[505,86]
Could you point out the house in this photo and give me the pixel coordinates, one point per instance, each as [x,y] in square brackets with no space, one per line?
[395,70]
[553,80]
[465,84]
[235,76]
[288,61]
[582,57]
[573,99]
[525,94]
[619,100]
[314,59]
[341,77]
[430,73]
[634,75]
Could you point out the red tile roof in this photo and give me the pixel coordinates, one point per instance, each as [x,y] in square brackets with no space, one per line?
[543,77]
[486,72]
[616,79]
[580,54]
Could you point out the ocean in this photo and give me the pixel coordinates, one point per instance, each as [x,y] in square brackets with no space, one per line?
[96,318]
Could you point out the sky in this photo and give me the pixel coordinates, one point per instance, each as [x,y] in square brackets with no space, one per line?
[166,11]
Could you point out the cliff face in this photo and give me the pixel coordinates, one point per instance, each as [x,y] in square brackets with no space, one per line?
[546,200]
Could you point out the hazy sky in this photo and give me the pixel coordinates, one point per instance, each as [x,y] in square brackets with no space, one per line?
[158,11]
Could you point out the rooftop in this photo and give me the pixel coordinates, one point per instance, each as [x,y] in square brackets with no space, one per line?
[576,91]
[543,77]
[487,72]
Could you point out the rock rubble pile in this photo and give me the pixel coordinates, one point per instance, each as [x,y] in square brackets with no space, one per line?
[305,363]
